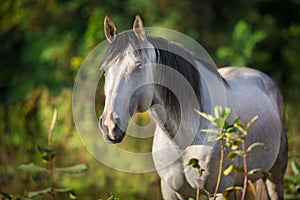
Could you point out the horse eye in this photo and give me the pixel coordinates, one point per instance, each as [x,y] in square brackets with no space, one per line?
[138,63]
[138,67]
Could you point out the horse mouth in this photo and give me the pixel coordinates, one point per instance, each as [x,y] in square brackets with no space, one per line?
[116,136]
[116,140]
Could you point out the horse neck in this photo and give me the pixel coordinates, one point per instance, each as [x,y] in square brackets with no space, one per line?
[175,114]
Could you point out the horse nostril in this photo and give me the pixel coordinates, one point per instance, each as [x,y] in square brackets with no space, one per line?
[100,122]
[102,126]
[118,121]
[115,129]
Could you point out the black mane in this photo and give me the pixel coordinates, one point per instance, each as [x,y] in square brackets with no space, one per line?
[184,63]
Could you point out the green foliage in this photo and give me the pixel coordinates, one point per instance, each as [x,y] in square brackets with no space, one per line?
[195,163]
[228,191]
[292,181]
[219,119]
[242,46]
[233,135]
[231,168]
[78,168]
[32,168]
[44,42]
[47,155]
[5,196]
[112,197]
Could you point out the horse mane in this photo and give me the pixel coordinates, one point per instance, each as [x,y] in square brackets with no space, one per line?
[185,64]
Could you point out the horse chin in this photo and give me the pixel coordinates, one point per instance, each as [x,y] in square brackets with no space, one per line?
[118,140]
[119,136]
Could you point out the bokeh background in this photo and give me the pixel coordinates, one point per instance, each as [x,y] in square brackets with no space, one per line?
[42,44]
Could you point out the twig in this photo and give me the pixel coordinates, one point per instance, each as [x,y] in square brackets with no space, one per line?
[220,169]
[50,134]
[198,188]
[245,170]
[200,172]
[252,187]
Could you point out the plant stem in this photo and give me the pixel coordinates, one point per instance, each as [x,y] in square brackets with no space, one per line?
[50,134]
[245,170]
[198,188]
[220,168]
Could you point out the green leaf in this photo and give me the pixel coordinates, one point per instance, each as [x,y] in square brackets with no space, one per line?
[46,153]
[249,149]
[240,127]
[234,144]
[195,163]
[219,122]
[230,129]
[229,169]
[193,160]
[226,112]
[267,175]
[258,170]
[72,195]
[39,192]
[44,149]
[233,140]
[206,116]
[237,120]
[71,192]
[78,168]
[229,190]
[211,131]
[295,167]
[249,124]
[214,138]
[112,197]
[231,155]
[239,169]
[221,116]
[292,178]
[254,171]
[32,168]
[62,190]
[5,196]
[219,113]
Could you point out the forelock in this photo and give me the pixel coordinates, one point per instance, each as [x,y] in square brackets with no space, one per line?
[118,47]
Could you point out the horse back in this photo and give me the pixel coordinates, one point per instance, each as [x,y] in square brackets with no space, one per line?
[249,93]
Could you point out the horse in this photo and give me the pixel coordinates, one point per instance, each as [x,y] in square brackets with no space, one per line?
[134,57]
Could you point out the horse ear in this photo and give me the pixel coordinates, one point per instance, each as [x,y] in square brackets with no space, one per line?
[109,29]
[138,27]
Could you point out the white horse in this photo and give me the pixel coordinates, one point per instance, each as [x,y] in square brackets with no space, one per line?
[133,58]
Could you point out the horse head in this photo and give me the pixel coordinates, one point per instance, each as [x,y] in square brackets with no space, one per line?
[128,72]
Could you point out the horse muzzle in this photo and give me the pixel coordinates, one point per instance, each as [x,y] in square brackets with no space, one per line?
[111,131]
